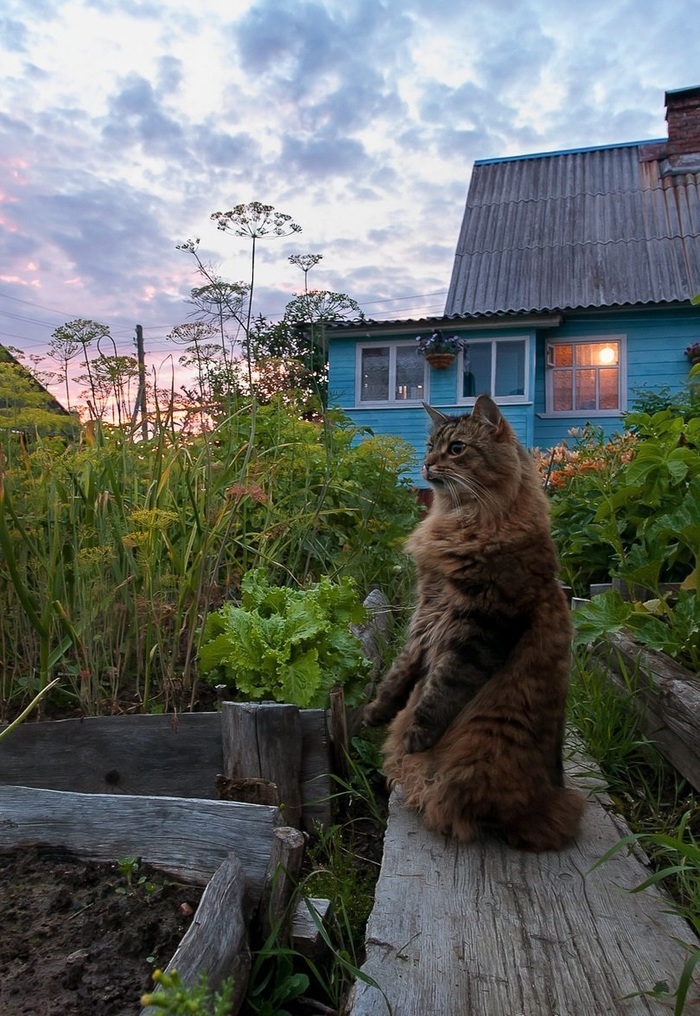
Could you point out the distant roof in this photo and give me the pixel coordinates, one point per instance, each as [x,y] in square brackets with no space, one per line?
[592,227]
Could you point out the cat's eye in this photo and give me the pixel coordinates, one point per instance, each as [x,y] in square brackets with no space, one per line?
[456,448]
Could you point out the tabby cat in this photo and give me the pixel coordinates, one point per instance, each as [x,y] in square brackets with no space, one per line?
[477,694]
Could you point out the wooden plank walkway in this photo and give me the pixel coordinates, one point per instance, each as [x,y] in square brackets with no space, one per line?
[485,930]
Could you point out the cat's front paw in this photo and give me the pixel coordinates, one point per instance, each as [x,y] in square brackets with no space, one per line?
[418,739]
[377,713]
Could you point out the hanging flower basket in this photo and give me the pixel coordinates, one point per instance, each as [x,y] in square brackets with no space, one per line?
[439,350]
[440,361]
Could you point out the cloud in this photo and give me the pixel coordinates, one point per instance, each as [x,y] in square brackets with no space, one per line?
[135,115]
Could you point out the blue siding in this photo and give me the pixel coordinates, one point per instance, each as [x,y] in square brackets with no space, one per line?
[655,341]
[656,338]
[412,422]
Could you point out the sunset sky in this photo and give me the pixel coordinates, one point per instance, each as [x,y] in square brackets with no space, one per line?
[124,125]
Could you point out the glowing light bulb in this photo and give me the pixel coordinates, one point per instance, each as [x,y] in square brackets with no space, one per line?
[607,355]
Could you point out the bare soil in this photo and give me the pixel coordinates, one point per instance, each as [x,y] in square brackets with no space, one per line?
[77,940]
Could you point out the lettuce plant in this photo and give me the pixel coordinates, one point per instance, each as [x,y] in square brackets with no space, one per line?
[290,645]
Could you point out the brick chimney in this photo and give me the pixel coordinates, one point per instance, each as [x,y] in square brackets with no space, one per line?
[683,118]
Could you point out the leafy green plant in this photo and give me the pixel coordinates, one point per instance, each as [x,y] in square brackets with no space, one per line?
[128,868]
[658,624]
[292,645]
[631,507]
[179,999]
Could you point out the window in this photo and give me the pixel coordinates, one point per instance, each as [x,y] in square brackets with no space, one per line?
[584,376]
[495,367]
[392,373]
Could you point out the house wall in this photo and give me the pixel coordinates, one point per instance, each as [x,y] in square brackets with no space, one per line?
[654,340]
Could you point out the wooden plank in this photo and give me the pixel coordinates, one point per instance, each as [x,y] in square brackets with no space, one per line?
[175,755]
[668,700]
[262,740]
[216,942]
[306,935]
[316,782]
[186,837]
[485,930]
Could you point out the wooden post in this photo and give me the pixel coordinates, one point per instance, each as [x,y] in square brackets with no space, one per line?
[263,741]
[339,731]
[306,934]
[281,878]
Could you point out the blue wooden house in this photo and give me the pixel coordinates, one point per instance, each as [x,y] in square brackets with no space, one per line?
[570,291]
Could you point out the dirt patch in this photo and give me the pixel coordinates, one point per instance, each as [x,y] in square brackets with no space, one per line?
[78,938]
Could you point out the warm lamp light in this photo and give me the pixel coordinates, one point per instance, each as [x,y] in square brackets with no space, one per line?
[607,355]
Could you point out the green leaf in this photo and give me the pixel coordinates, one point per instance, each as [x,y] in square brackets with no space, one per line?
[605,613]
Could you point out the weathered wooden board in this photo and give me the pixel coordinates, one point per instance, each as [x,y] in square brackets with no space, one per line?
[316,783]
[484,930]
[178,755]
[216,942]
[668,700]
[187,837]
[298,753]
[262,740]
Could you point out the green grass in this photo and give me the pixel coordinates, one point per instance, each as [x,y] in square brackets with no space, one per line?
[658,804]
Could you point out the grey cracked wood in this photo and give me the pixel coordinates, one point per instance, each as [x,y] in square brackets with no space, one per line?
[485,930]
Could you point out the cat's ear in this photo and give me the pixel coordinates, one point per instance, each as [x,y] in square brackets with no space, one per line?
[435,415]
[486,410]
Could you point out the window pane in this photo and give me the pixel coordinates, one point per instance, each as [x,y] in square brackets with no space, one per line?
[585,353]
[562,354]
[609,397]
[510,368]
[562,384]
[477,369]
[585,389]
[410,373]
[375,374]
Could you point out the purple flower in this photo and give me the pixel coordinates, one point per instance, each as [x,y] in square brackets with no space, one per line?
[438,343]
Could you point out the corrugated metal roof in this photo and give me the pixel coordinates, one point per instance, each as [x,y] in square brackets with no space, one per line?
[588,228]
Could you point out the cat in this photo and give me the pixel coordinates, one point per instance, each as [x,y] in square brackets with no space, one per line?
[477,695]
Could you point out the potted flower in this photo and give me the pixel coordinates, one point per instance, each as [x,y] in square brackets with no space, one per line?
[439,350]
[693,353]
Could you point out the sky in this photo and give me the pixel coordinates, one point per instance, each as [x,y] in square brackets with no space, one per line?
[124,124]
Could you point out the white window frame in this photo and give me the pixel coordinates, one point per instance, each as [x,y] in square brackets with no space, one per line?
[502,400]
[391,399]
[621,340]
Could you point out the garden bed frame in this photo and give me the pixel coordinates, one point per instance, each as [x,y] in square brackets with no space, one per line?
[148,786]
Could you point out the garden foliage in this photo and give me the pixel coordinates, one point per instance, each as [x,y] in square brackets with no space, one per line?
[629,508]
[112,552]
